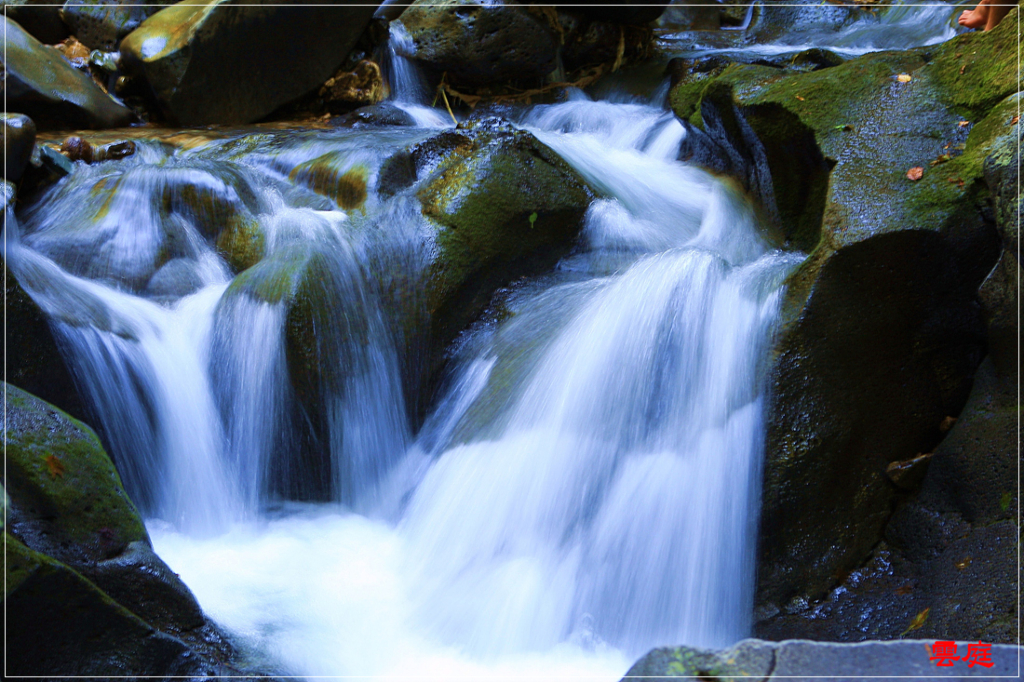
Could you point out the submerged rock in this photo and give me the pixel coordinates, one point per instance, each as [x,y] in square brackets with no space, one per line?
[19,137]
[84,590]
[41,84]
[881,330]
[228,62]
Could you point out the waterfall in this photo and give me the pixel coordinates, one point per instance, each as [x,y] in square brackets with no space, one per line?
[584,488]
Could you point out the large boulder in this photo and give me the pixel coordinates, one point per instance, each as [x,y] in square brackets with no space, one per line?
[817,661]
[491,204]
[85,592]
[100,24]
[881,327]
[43,85]
[478,43]
[41,18]
[222,61]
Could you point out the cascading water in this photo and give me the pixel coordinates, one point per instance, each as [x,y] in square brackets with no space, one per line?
[585,488]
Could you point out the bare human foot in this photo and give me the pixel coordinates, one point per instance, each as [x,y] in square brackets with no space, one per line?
[975,18]
[996,14]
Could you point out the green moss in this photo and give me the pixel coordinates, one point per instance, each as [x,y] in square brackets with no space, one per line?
[484,203]
[242,243]
[57,471]
[329,176]
[273,279]
[975,71]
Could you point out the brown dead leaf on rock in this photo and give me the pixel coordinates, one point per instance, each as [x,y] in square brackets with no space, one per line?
[961,124]
[55,466]
[948,422]
[915,173]
[1013,121]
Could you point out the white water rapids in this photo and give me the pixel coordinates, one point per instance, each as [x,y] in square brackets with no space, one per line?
[585,488]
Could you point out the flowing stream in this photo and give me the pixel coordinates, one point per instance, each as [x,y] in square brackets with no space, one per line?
[585,487]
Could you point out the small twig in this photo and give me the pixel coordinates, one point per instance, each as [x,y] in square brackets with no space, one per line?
[448,107]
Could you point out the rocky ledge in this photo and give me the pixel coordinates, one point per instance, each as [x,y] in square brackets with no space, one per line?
[754,659]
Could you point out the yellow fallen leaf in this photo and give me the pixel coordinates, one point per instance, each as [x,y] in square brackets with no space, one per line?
[915,173]
[918,622]
[903,78]
[799,97]
[963,123]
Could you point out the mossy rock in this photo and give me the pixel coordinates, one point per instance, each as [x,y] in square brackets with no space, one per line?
[503,205]
[63,624]
[63,487]
[335,177]
[43,85]
[100,24]
[881,328]
[477,43]
[748,659]
[222,61]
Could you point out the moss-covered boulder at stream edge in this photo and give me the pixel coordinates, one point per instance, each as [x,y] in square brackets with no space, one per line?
[221,61]
[496,205]
[85,594]
[881,327]
[41,84]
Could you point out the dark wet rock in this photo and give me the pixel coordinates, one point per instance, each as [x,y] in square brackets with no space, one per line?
[113,151]
[504,204]
[101,24]
[83,568]
[587,43]
[881,330]
[383,114]
[40,18]
[19,137]
[1002,169]
[772,21]
[62,624]
[33,357]
[41,84]
[478,43]
[950,547]
[690,15]
[634,12]
[815,662]
[228,62]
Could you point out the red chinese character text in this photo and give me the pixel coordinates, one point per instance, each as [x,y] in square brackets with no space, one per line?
[979,654]
[945,652]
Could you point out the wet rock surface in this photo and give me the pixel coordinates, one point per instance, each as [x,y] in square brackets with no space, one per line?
[882,330]
[816,661]
[43,85]
[202,64]
[100,24]
[84,588]
[19,136]
[477,43]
